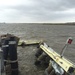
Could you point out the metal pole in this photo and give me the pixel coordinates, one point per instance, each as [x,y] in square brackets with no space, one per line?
[69,41]
[1,62]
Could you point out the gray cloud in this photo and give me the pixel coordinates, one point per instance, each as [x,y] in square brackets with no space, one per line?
[41,10]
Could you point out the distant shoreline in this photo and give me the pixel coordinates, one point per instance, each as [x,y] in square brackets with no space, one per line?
[43,23]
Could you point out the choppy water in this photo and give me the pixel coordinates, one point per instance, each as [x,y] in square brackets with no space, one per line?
[54,35]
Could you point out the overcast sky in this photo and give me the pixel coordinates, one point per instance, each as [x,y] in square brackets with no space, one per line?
[37,10]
